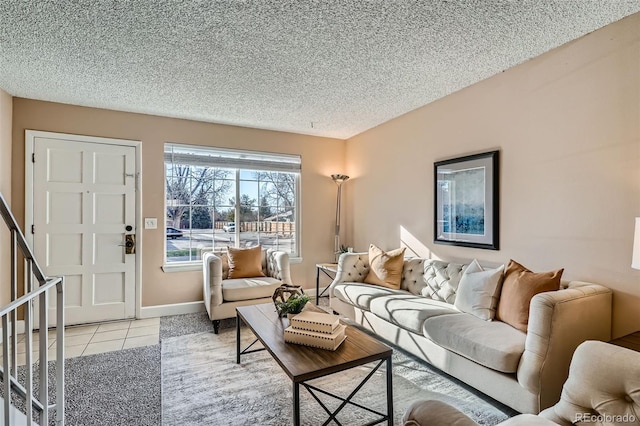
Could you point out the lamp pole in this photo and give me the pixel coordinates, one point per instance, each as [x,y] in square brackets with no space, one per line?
[635,260]
[339,180]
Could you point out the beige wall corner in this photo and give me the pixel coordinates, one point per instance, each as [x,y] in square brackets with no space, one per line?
[6,114]
[320,156]
[567,124]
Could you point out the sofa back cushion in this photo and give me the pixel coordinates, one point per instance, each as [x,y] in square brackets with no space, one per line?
[413,275]
[441,280]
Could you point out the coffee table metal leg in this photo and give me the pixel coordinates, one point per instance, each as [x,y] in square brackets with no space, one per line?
[247,350]
[317,285]
[296,404]
[237,339]
[389,392]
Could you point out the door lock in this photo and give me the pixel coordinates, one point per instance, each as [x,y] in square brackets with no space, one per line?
[129,244]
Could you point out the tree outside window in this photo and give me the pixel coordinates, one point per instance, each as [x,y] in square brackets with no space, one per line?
[201,204]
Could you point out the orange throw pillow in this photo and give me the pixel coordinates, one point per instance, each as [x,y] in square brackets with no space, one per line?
[385,268]
[245,263]
[518,288]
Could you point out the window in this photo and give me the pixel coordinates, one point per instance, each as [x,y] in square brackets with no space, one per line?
[219,197]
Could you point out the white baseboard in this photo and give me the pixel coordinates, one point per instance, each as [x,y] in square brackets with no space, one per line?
[189,307]
[174,309]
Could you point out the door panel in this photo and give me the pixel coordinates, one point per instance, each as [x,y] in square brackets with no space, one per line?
[108,288]
[70,256]
[109,209]
[72,293]
[64,208]
[83,200]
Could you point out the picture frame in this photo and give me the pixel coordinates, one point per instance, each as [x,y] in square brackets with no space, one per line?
[466,201]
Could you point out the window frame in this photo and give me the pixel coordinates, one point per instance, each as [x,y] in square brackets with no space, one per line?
[237,161]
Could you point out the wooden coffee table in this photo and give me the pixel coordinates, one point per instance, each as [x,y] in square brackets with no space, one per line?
[303,363]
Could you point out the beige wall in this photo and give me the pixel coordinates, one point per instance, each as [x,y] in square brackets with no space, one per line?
[568,127]
[320,156]
[6,110]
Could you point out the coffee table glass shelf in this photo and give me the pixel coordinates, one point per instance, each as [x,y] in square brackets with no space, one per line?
[303,363]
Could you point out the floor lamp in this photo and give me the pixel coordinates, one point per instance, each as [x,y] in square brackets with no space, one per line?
[635,260]
[339,180]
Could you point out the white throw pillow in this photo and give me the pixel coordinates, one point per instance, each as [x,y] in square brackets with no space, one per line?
[478,291]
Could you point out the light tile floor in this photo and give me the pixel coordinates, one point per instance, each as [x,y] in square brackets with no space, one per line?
[95,338]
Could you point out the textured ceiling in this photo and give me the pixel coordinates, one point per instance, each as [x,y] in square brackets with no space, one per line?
[326,67]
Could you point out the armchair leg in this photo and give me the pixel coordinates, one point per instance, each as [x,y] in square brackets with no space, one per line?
[216,326]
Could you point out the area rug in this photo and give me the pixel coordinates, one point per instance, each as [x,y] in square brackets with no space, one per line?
[120,388]
[180,325]
[124,388]
[202,385]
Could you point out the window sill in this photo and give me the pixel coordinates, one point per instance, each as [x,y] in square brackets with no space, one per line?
[197,265]
[181,267]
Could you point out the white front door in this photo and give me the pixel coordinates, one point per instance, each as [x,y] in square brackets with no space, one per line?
[84,206]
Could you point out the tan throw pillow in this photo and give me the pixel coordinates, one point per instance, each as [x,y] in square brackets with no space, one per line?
[385,268]
[245,263]
[518,288]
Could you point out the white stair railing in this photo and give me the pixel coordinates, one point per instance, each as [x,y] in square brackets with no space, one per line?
[35,407]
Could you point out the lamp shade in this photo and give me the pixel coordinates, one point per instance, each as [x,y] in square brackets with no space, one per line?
[339,178]
[635,261]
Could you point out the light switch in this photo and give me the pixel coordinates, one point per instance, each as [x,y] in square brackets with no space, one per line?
[150,223]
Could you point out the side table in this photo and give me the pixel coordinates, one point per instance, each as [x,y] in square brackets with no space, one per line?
[630,341]
[330,270]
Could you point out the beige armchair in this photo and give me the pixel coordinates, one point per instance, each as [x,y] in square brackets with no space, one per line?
[603,388]
[222,295]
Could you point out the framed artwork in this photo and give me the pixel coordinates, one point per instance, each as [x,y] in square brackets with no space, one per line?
[466,201]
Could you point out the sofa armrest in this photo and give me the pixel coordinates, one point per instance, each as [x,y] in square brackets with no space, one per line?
[212,280]
[278,266]
[603,382]
[352,267]
[558,322]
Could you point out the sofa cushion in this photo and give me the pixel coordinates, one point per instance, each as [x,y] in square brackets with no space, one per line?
[409,311]
[360,295]
[385,267]
[478,291]
[236,289]
[245,262]
[441,279]
[413,275]
[493,344]
[518,288]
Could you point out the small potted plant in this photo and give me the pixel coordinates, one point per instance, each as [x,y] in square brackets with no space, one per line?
[292,306]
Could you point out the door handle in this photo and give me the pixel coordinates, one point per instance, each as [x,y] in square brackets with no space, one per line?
[129,244]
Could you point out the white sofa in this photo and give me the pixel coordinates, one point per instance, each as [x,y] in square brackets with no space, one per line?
[223,295]
[524,371]
[603,388]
